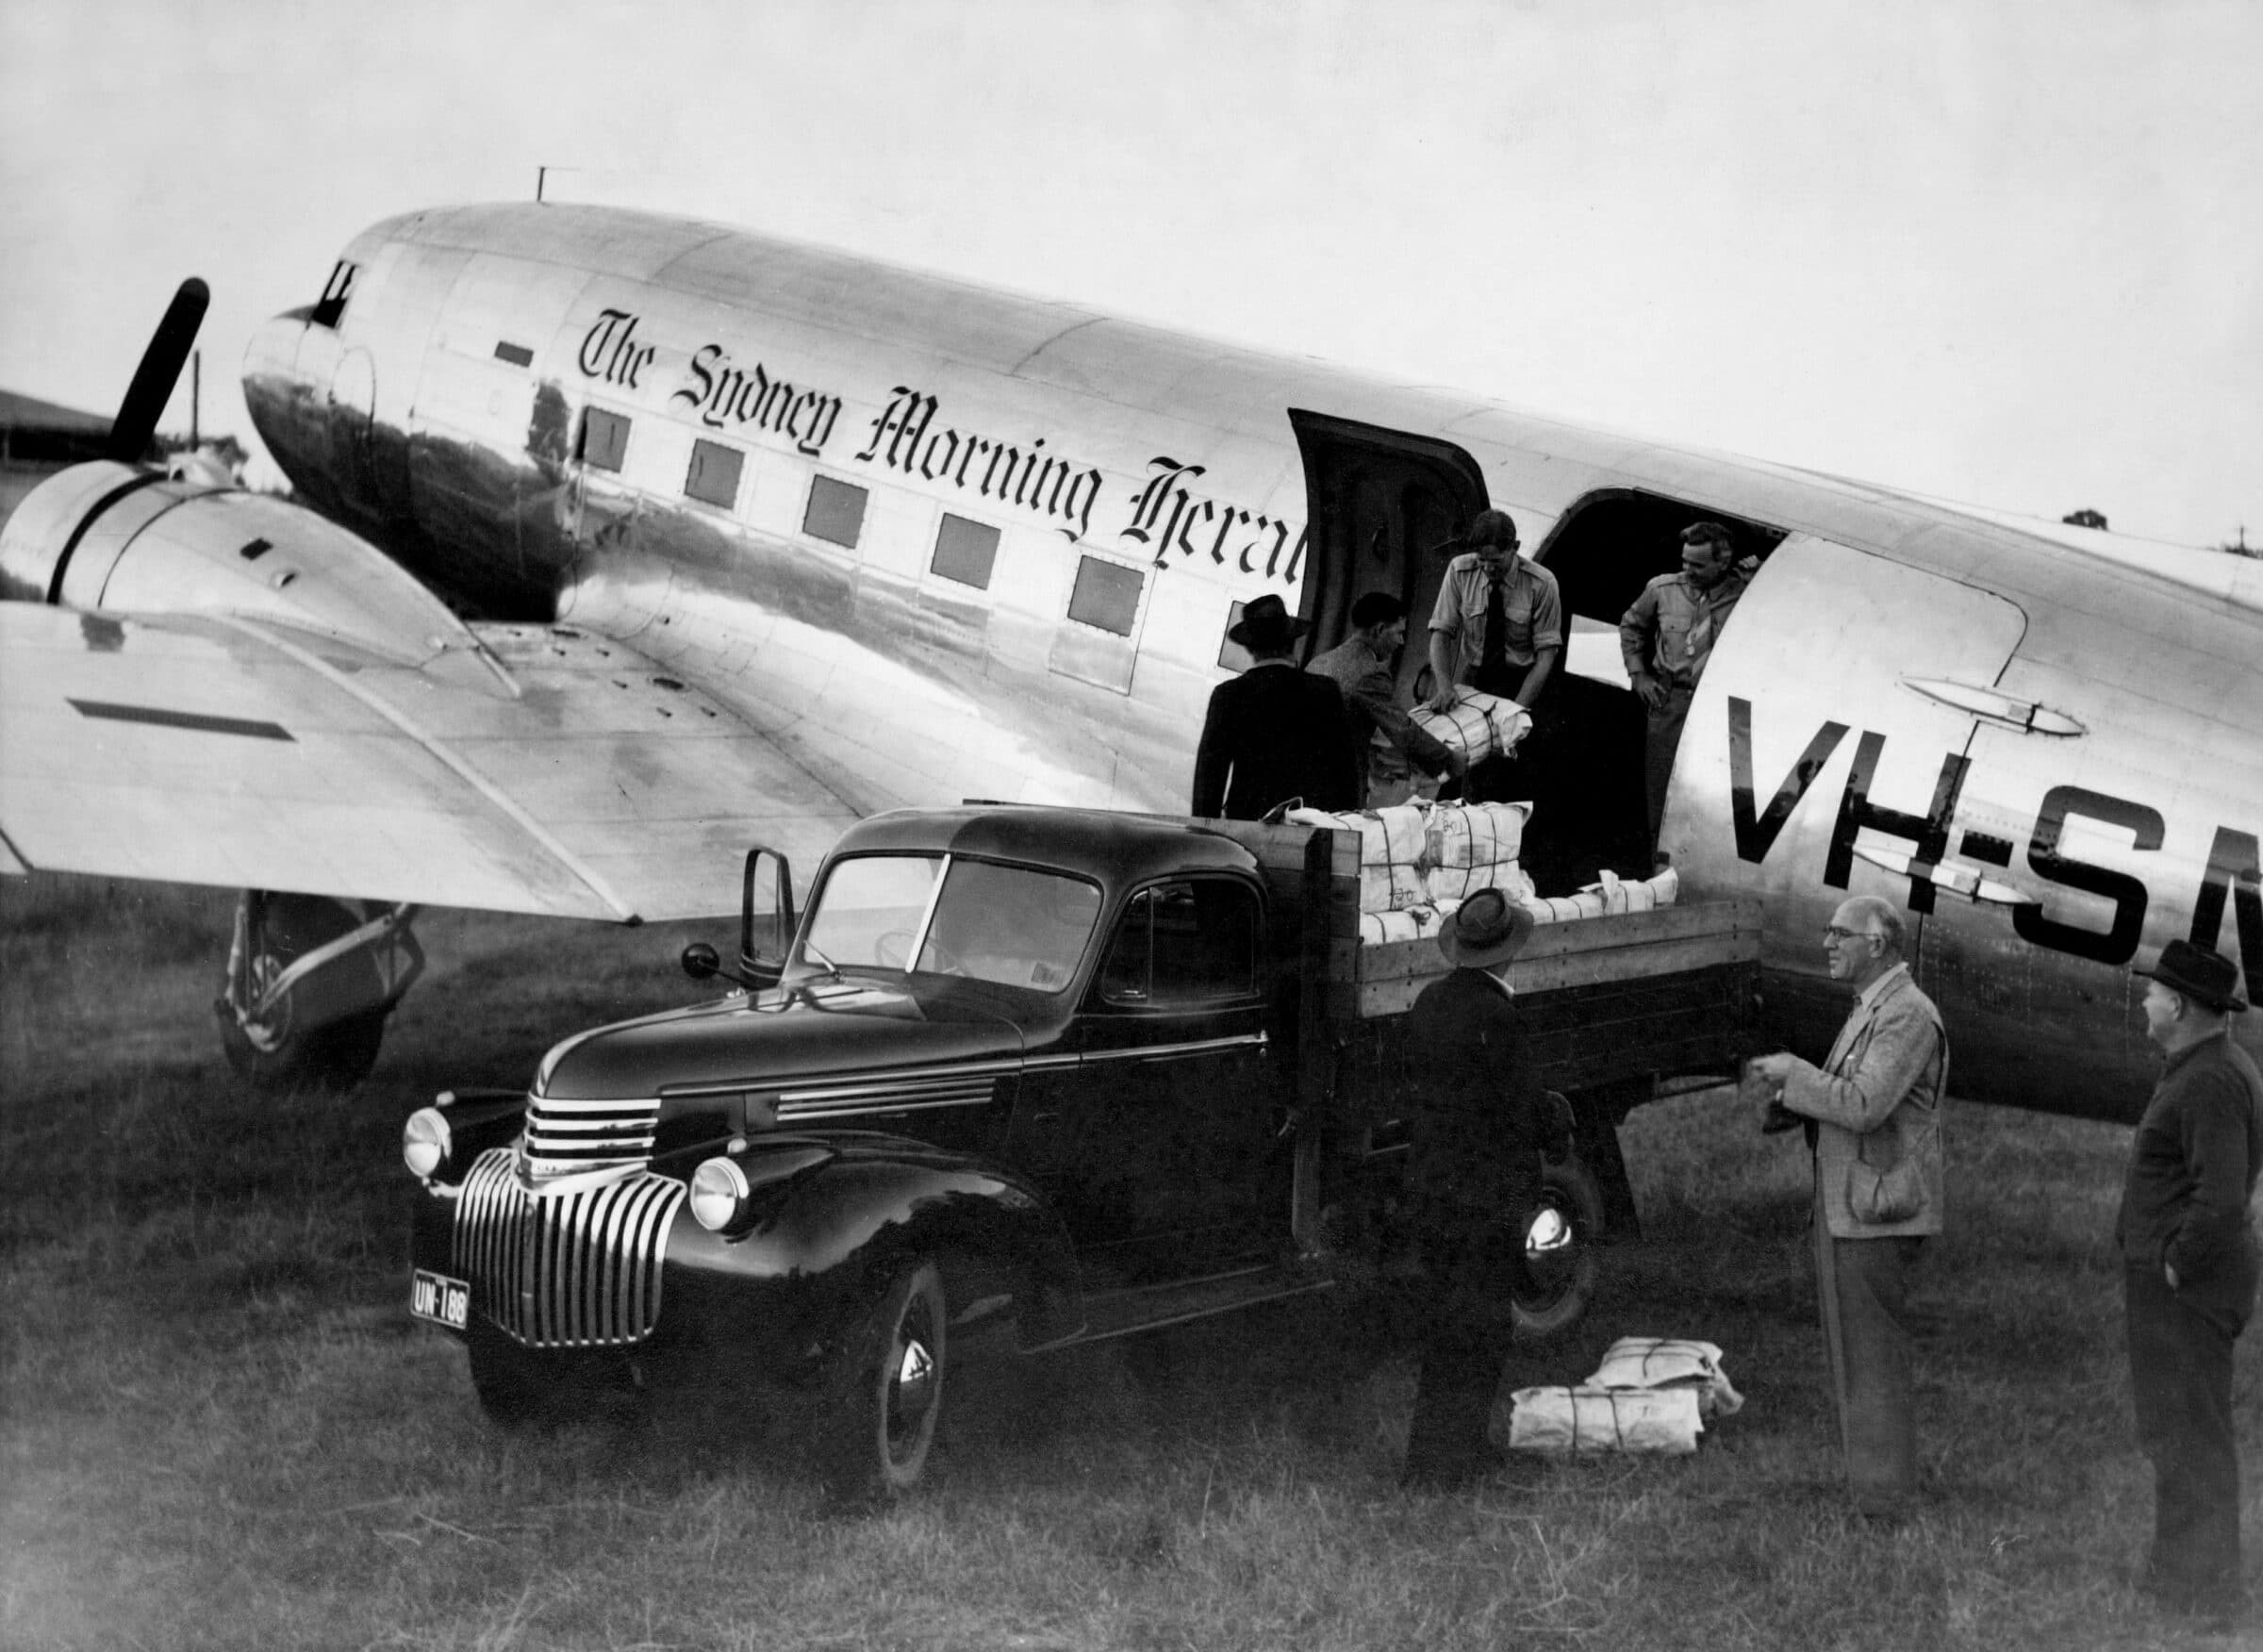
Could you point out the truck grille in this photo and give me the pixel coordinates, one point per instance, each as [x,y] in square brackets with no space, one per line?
[568,1270]
[587,1138]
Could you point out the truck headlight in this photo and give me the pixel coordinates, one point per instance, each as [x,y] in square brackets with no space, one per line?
[718,1194]
[425,1142]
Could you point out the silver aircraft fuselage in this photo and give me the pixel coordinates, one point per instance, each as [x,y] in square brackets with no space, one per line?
[941,542]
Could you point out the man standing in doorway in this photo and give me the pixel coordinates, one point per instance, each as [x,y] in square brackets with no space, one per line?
[1498,628]
[2188,1271]
[1873,1113]
[1361,666]
[1274,732]
[1667,636]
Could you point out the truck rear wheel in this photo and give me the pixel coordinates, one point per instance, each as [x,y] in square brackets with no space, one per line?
[1559,1250]
[883,1424]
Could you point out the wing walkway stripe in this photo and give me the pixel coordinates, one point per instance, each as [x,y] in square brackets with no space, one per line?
[111,711]
[478,781]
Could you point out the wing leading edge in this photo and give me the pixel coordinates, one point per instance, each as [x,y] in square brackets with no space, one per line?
[213,750]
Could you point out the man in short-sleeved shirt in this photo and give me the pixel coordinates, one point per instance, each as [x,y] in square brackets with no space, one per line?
[1498,628]
[1667,636]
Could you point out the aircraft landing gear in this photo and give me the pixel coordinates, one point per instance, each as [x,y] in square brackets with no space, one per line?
[312,979]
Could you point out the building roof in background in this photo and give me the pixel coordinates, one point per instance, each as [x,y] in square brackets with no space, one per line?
[30,413]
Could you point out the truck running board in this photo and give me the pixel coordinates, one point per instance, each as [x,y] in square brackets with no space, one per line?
[1120,1312]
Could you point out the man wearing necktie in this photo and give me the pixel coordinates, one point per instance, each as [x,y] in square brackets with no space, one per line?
[1874,1122]
[1498,628]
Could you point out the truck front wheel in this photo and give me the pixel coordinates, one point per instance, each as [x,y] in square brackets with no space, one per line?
[1559,1250]
[884,1424]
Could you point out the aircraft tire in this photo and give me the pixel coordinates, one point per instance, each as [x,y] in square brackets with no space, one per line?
[334,1057]
[881,1429]
[1566,1277]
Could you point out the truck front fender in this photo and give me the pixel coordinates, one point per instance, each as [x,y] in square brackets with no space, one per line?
[784,1286]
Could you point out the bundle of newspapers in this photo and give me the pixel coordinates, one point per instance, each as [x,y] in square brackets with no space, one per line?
[1419,860]
[1479,726]
[1651,1395]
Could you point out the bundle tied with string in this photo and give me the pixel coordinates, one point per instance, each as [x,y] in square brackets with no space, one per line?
[1478,725]
[1651,1395]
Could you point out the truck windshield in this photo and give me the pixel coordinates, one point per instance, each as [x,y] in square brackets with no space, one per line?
[941,915]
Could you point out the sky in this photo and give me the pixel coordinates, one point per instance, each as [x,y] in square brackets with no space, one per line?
[2009,254]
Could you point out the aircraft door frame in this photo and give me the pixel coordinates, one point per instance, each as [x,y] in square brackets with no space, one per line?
[1368,490]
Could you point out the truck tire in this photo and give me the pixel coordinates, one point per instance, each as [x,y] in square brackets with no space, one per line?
[510,1388]
[1559,1251]
[883,1426]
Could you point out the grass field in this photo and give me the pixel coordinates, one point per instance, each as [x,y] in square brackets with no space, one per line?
[220,1428]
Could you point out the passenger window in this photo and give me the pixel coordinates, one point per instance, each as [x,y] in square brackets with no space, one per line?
[1232,656]
[1106,595]
[712,478]
[965,551]
[605,438]
[1184,944]
[836,513]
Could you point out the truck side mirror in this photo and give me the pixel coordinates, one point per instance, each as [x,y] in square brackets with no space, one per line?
[767,922]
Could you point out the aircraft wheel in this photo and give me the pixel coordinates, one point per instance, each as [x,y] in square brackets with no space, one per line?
[336,1057]
[883,1426]
[278,1050]
[1559,1251]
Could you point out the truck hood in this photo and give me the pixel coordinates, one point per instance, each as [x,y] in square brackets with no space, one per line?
[828,1028]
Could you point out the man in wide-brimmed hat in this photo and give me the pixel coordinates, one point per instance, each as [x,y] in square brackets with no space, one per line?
[1274,732]
[1478,1125]
[2189,1275]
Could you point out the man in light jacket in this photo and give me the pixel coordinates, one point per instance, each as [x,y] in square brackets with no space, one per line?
[1872,1112]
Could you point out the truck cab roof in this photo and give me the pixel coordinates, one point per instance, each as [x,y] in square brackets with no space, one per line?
[1117,852]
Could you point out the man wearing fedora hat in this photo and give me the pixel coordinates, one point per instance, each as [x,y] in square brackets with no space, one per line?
[1274,732]
[2189,1275]
[1479,1124]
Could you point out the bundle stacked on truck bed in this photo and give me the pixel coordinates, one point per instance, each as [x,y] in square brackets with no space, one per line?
[1420,861]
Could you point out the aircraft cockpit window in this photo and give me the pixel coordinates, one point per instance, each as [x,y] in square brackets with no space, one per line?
[965,551]
[1106,595]
[712,478]
[836,513]
[331,309]
[605,440]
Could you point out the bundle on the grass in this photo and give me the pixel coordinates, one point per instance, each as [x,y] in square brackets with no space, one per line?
[1560,1421]
[1651,1394]
[1479,726]
[1665,1362]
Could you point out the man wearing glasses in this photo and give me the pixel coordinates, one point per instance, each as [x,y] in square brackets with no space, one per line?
[1872,1112]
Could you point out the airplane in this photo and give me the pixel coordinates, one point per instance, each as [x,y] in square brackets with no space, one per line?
[621,542]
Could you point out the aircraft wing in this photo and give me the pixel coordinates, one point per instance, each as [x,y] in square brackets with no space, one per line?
[573,777]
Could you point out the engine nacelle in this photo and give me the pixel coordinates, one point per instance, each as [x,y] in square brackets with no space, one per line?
[110,537]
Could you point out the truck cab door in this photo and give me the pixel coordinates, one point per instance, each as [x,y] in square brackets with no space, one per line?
[1825,755]
[1155,1124]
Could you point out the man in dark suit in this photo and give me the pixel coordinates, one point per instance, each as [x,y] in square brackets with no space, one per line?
[1274,732]
[1478,1125]
[2189,1276]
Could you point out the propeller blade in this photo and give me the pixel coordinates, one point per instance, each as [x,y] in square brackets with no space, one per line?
[160,369]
